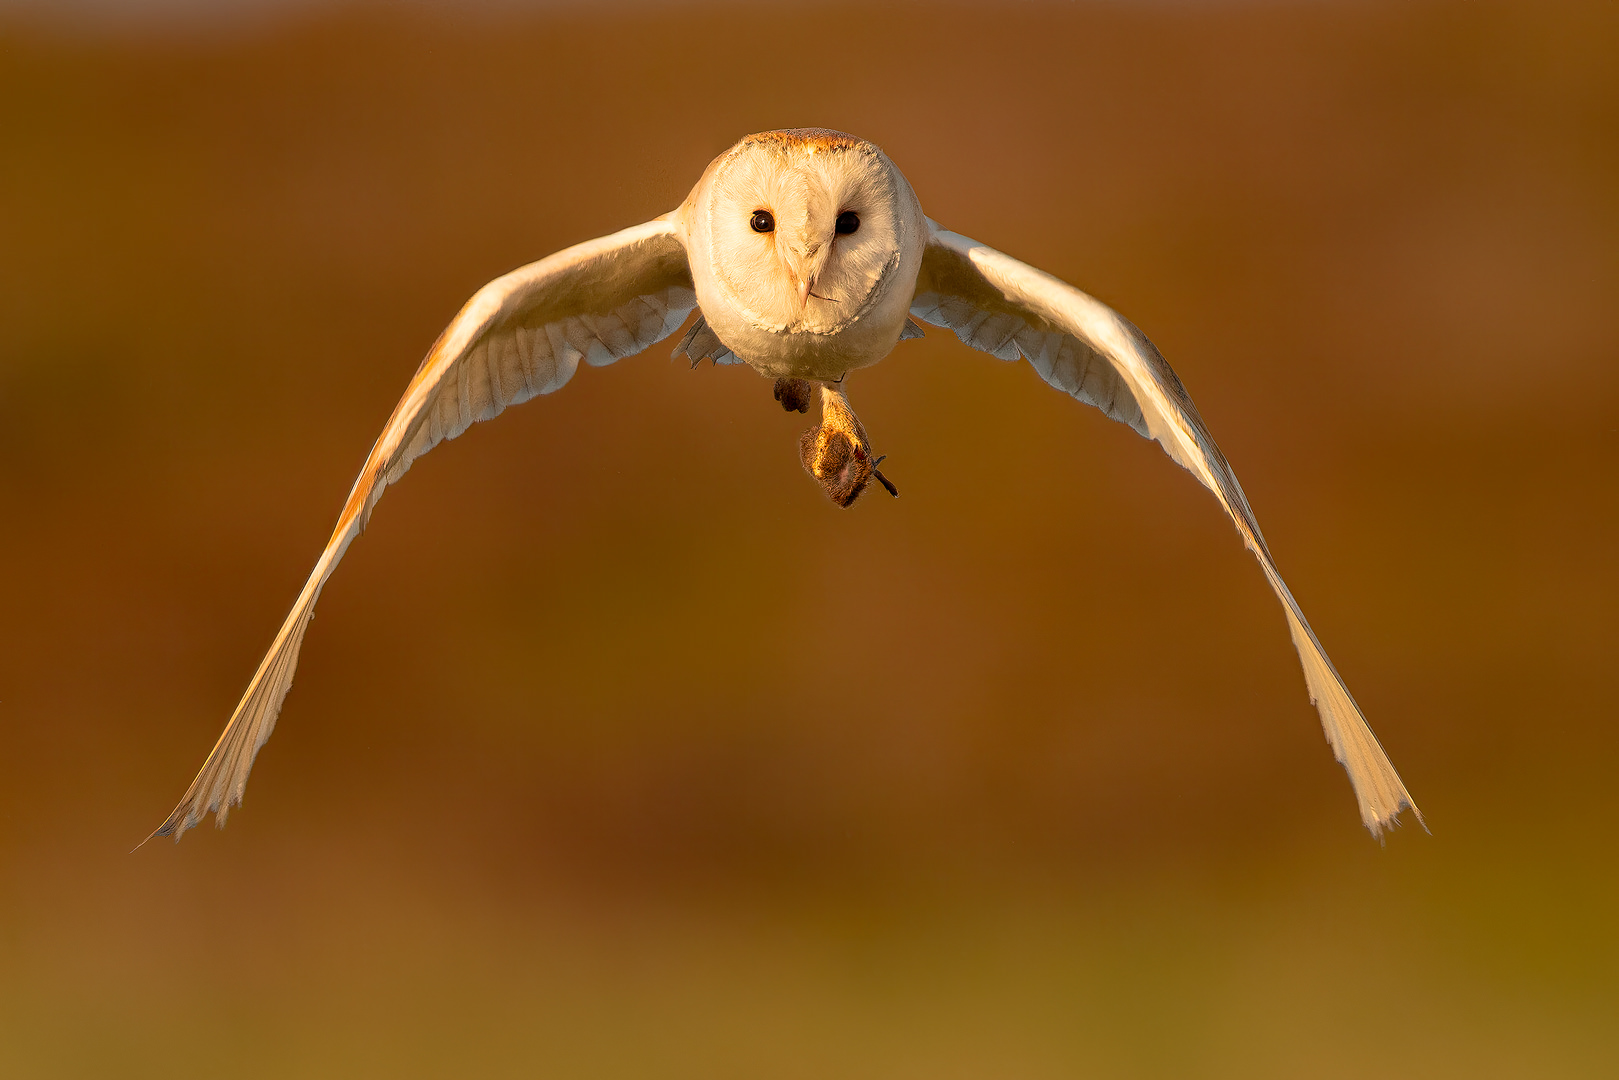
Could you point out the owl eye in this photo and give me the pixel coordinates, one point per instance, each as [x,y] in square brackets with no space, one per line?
[848,222]
[762,221]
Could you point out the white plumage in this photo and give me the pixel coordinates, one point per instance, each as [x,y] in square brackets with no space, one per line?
[808,255]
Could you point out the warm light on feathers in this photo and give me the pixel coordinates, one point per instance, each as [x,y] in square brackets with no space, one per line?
[801,302]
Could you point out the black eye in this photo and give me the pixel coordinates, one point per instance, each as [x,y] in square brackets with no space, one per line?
[848,222]
[763,222]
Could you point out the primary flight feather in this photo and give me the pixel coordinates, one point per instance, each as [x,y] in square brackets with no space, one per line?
[807,256]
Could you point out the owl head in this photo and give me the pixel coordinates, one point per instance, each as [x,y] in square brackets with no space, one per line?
[803,230]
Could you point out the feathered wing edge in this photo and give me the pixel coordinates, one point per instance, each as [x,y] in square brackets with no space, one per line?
[521,335]
[1008,308]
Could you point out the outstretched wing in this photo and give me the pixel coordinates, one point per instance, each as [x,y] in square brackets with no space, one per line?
[519,336]
[1009,309]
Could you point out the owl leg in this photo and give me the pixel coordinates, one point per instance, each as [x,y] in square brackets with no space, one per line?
[838,452]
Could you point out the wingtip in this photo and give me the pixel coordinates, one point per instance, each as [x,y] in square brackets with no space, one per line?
[183,819]
[162,830]
[1381,825]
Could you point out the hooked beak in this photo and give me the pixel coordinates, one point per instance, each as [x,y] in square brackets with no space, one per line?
[805,264]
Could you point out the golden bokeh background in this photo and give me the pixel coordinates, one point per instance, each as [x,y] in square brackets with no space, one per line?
[617,751]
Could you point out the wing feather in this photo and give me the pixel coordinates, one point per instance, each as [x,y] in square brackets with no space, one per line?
[1007,308]
[521,335]
[701,343]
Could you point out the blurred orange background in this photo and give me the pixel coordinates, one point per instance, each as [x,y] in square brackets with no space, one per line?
[616,750]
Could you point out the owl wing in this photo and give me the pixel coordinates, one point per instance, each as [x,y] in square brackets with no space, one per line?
[1009,309]
[519,336]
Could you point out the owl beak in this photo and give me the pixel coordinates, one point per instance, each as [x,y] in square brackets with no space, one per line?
[806,264]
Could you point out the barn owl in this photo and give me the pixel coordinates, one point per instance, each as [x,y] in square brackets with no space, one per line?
[806,256]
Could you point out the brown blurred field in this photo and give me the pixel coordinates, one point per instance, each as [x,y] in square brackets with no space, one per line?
[617,751]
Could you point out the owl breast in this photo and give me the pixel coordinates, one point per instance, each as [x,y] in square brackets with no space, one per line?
[809,351]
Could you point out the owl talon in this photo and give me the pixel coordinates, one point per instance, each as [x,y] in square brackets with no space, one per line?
[795,395]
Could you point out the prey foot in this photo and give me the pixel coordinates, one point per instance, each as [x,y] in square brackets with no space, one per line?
[888,485]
